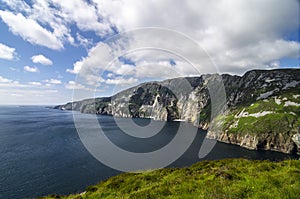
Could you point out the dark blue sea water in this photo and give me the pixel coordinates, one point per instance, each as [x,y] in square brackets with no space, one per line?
[41,152]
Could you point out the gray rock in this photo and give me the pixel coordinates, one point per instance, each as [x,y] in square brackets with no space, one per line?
[170,100]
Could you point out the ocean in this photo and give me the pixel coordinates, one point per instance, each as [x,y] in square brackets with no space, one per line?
[41,152]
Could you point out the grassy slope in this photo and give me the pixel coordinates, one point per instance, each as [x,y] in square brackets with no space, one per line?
[283,119]
[231,178]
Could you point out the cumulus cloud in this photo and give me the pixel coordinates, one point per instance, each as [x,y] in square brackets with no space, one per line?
[235,19]
[84,15]
[260,54]
[7,52]
[17,5]
[41,59]
[28,96]
[5,80]
[144,57]
[48,22]
[238,36]
[53,81]
[122,81]
[10,84]
[31,69]
[76,86]
[35,83]
[84,41]
[98,58]
[33,92]
[30,30]
[13,84]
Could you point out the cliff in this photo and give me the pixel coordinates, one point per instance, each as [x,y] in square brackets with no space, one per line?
[262,107]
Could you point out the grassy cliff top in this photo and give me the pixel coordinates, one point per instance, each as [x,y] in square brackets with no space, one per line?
[229,178]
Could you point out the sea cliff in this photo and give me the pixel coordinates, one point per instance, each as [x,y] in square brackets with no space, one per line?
[261,110]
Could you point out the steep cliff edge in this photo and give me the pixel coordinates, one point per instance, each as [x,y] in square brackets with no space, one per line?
[263,107]
[265,112]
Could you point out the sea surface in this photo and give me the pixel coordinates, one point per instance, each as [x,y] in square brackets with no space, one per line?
[41,152]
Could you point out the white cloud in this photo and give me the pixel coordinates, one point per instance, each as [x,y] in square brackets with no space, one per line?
[53,81]
[7,52]
[41,59]
[11,90]
[28,92]
[5,80]
[258,55]
[35,83]
[122,81]
[149,63]
[97,58]
[84,41]
[238,35]
[30,30]
[162,69]
[10,84]
[16,95]
[123,69]
[32,96]
[72,71]
[92,80]
[17,5]
[48,22]
[223,28]
[110,75]
[84,15]
[75,86]
[275,64]
[13,84]
[31,69]
[46,13]
[236,18]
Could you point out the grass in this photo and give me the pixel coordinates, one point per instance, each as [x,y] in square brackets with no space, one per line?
[274,123]
[229,178]
[283,119]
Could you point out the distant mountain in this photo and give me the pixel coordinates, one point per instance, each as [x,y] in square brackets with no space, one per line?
[262,107]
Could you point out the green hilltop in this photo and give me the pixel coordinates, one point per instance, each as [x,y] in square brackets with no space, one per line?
[229,178]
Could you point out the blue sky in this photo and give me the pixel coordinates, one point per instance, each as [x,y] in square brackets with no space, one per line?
[46,44]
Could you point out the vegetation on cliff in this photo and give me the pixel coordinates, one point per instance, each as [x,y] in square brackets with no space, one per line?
[229,178]
[268,123]
[262,106]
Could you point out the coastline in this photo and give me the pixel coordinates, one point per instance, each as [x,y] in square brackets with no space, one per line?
[256,116]
[250,143]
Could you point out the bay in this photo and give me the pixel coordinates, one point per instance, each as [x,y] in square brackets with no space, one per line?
[41,152]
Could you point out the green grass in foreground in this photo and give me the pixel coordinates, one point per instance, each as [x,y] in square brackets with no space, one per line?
[229,178]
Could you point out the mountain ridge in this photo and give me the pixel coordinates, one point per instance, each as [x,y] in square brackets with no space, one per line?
[262,107]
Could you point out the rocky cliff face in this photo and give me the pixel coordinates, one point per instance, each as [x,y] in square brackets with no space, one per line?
[263,107]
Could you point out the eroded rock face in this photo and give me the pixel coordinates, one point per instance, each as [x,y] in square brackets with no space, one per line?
[171,100]
[280,142]
[296,140]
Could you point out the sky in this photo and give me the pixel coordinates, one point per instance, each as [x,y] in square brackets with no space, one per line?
[51,49]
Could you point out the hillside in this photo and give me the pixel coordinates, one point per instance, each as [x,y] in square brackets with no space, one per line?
[206,179]
[261,110]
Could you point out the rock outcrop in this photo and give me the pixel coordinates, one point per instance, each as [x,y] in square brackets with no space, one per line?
[262,106]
